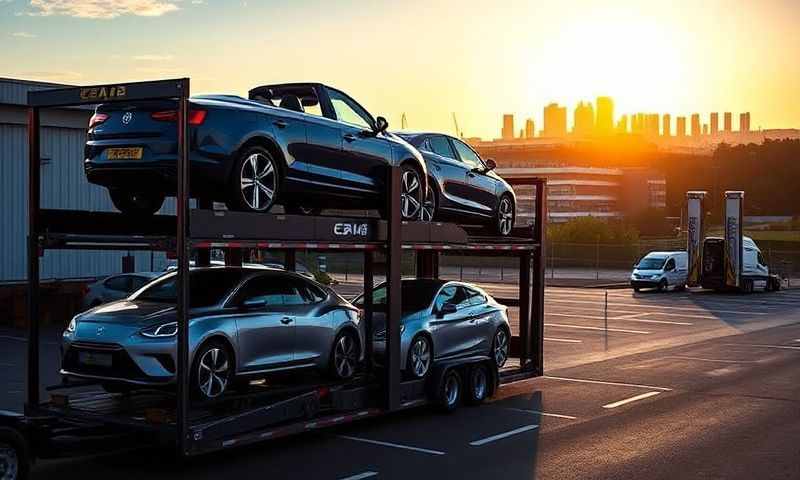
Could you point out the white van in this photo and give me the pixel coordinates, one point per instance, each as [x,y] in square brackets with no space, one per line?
[661,270]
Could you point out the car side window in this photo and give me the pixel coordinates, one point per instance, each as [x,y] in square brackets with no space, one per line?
[440,146]
[312,292]
[137,282]
[349,112]
[670,264]
[120,283]
[272,291]
[446,295]
[761,260]
[475,297]
[462,299]
[467,155]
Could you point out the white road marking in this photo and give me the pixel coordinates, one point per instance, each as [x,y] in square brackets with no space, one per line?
[361,476]
[631,400]
[500,436]
[14,392]
[636,318]
[613,311]
[584,327]
[714,360]
[689,309]
[544,414]
[562,340]
[786,347]
[393,445]
[601,382]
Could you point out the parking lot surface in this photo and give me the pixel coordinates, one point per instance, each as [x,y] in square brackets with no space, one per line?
[680,385]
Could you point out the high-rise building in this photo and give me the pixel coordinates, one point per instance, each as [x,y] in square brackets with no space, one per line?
[705,129]
[530,130]
[666,125]
[508,127]
[605,116]
[744,122]
[584,120]
[555,121]
[680,126]
[695,124]
[622,124]
[728,122]
[638,122]
[651,121]
[714,123]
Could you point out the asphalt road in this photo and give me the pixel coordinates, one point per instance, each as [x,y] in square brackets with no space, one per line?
[682,385]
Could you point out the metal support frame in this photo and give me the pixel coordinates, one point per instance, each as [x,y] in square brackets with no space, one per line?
[34,199]
[290,260]
[537,298]
[525,309]
[393,290]
[427,264]
[369,273]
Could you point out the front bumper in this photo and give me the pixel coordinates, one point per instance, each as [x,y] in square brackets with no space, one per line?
[642,283]
[141,364]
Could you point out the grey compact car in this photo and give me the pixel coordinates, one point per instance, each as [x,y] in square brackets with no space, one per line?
[244,323]
[115,287]
[440,320]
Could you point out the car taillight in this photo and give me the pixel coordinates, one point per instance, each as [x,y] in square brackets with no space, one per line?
[196,116]
[97,119]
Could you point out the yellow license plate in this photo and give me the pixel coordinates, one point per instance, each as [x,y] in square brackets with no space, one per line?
[130,153]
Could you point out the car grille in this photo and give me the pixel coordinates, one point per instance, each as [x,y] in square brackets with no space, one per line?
[122,366]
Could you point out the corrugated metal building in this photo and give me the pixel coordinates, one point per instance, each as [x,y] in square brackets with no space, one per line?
[63,186]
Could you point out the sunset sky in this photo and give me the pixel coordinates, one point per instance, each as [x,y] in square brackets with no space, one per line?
[429,59]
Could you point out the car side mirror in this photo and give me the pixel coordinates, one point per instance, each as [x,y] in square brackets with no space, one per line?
[447,309]
[381,124]
[490,164]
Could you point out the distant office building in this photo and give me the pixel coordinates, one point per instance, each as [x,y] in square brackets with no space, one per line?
[521,133]
[666,125]
[638,123]
[651,125]
[695,124]
[508,127]
[530,129]
[714,123]
[680,126]
[744,122]
[555,121]
[705,129]
[584,120]
[622,124]
[728,122]
[605,116]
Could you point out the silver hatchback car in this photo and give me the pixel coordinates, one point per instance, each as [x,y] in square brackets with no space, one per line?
[441,320]
[244,323]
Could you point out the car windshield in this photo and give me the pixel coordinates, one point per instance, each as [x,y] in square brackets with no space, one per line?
[416,296]
[651,263]
[206,287]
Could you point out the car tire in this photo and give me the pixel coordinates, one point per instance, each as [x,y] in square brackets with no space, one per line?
[255,181]
[500,347]
[637,289]
[345,353]
[211,372]
[477,384]
[428,213]
[136,203]
[449,392]
[411,194]
[419,359]
[506,214]
[15,460]
[662,285]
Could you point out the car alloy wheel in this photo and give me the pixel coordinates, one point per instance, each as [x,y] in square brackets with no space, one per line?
[410,195]
[500,348]
[479,383]
[345,356]
[420,357]
[258,182]
[213,372]
[429,205]
[9,462]
[451,390]
[505,216]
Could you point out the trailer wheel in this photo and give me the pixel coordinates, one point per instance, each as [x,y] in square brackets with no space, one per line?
[449,392]
[14,458]
[477,384]
[662,285]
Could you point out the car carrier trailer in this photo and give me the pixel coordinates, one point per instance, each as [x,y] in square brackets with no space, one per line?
[76,417]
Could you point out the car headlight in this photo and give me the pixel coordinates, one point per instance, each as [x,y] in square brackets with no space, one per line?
[72,324]
[161,331]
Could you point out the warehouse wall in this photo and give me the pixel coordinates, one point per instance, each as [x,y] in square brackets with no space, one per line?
[63,186]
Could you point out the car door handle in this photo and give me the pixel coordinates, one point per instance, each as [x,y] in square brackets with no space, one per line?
[350,137]
[287,320]
[280,123]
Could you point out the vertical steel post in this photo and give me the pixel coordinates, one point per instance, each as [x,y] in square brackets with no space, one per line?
[393,271]
[368,307]
[290,262]
[183,246]
[34,199]
[525,317]
[539,257]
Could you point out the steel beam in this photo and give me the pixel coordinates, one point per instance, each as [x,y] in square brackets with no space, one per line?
[393,271]
[539,257]
[369,273]
[34,199]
